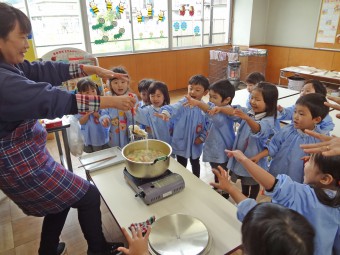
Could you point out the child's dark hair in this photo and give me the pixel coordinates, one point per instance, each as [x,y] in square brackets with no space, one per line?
[315,103]
[318,86]
[270,95]
[199,80]
[86,84]
[144,84]
[272,229]
[328,165]
[255,77]
[162,87]
[224,89]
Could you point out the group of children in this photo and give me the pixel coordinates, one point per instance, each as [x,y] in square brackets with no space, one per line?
[193,127]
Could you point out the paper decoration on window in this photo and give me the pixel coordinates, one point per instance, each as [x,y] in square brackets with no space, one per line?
[94,8]
[182,10]
[149,8]
[108,5]
[140,17]
[191,11]
[120,33]
[161,17]
[184,26]
[176,26]
[197,30]
[161,32]
[120,7]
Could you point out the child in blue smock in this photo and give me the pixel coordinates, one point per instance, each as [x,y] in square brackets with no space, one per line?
[221,134]
[189,125]
[284,147]
[311,86]
[157,128]
[251,81]
[256,126]
[96,137]
[318,199]
[143,87]
[118,121]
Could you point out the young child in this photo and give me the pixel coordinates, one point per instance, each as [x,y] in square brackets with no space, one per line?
[311,86]
[268,229]
[190,125]
[309,112]
[318,199]
[251,81]
[95,135]
[143,87]
[158,95]
[256,126]
[221,133]
[118,120]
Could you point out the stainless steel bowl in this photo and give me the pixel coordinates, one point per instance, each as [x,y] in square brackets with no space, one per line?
[147,169]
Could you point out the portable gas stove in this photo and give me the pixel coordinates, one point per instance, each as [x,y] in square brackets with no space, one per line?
[152,190]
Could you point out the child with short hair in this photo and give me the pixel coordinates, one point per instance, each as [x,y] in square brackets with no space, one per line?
[318,199]
[190,125]
[96,137]
[256,126]
[221,133]
[251,81]
[309,112]
[158,95]
[118,121]
[143,87]
[311,86]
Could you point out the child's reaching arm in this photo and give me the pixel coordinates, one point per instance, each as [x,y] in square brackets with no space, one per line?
[193,102]
[84,118]
[225,184]
[260,155]
[258,173]
[254,126]
[219,109]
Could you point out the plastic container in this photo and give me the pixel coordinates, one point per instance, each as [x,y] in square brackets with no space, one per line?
[296,82]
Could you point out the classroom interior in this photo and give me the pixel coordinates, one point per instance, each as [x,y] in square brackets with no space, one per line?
[286,29]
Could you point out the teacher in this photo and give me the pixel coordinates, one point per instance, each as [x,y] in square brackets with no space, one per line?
[28,174]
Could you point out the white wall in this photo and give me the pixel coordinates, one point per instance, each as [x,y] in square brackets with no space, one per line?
[242,22]
[259,22]
[291,23]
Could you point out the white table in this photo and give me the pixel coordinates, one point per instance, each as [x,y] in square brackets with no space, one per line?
[336,130]
[288,101]
[242,95]
[198,199]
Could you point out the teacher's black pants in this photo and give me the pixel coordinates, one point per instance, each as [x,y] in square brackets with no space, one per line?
[89,217]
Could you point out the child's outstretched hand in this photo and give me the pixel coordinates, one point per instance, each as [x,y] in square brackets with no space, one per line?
[279,108]
[138,244]
[214,110]
[191,102]
[223,180]
[239,113]
[238,155]
[161,116]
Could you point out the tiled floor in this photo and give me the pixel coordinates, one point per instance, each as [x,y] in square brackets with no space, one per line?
[20,234]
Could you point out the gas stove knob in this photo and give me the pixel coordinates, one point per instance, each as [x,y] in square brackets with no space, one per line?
[140,194]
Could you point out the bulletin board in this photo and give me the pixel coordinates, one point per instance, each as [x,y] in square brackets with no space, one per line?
[328,33]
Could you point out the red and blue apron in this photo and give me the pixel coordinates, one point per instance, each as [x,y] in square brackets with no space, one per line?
[31,177]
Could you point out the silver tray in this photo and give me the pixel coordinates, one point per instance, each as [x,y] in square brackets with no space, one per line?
[179,234]
[98,155]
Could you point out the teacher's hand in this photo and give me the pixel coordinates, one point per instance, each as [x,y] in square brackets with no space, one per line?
[103,73]
[330,145]
[124,103]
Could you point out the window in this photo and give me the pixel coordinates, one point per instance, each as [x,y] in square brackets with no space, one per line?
[120,26]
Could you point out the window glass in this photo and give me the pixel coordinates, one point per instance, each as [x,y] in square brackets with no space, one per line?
[109,26]
[186,23]
[150,24]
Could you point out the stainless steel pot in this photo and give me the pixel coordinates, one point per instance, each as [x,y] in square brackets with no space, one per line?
[147,169]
